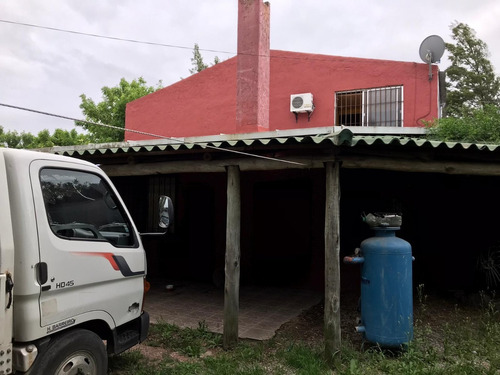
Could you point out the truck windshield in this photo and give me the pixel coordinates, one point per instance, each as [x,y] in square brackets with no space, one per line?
[81,206]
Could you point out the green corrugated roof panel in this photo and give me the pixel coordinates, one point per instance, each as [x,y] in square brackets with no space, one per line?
[405,141]
[344,138]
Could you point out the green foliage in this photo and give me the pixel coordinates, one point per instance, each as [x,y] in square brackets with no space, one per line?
[305,360]
[197,61]
[129,362]
[111,110]
[463,342]
[471,80]
[480,126]
[60,137]
[188,341]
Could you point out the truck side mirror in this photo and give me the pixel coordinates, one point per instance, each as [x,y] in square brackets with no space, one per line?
[166,211]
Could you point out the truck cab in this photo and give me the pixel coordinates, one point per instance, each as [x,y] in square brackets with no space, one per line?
[72,267]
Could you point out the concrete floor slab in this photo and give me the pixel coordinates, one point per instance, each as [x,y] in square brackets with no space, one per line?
[263,310]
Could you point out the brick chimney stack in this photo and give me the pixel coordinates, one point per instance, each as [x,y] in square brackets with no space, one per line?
[252,77]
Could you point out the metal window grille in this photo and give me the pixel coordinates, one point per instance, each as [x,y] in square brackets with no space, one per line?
[370,107]
[349,107]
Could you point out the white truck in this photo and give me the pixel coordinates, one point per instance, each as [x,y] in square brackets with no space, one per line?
[72,267]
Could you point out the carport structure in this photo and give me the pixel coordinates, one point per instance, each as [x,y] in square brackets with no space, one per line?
[231,188]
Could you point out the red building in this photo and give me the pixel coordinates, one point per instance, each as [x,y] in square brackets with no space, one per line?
[255,91]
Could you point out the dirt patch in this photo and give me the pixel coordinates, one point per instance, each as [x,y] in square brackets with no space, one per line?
[432,314]
[308,327]
[152,353]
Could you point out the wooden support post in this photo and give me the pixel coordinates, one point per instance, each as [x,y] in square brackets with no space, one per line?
[332,263]
[232,269]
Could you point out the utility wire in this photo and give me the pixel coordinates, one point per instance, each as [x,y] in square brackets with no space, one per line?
[201,144]
[309,57]
[111,37]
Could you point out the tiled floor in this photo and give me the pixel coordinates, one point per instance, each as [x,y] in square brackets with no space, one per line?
[262,309]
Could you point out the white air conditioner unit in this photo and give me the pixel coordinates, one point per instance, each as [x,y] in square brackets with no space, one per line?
[301,103]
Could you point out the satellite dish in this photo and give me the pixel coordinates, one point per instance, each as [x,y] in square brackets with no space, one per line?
[431,50]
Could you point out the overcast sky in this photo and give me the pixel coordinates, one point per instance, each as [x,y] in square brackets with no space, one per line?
[47,70]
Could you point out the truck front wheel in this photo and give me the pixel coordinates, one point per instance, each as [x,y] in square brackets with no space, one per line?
[73,353]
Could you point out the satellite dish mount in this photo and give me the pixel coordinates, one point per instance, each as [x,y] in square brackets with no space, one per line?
[431,50]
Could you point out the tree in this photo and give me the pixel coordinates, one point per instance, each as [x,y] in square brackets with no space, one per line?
[471,80]
[111,110]
[482,125]
[197,61]
[60,137]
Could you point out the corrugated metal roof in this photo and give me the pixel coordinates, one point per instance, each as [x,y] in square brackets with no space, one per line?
[421,142]
[343,138]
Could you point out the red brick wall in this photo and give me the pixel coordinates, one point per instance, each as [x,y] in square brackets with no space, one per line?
[205,103]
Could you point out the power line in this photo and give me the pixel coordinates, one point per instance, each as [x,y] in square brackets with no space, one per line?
[201,144]
[111,37]
[310,57]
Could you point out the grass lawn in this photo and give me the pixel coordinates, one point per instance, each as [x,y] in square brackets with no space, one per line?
[450,338]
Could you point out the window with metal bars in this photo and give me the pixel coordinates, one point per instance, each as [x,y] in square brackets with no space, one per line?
[370,107]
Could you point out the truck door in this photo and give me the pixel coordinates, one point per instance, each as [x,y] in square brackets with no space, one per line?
[92,264]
